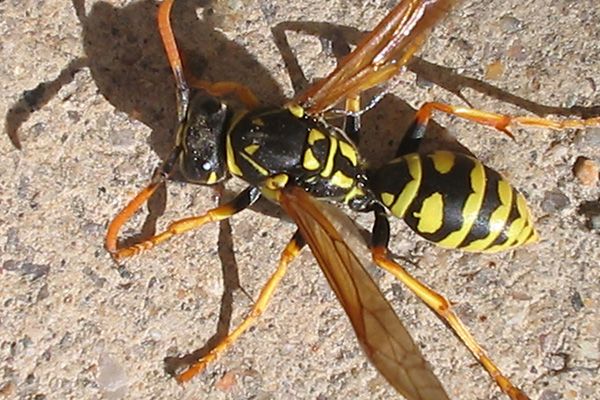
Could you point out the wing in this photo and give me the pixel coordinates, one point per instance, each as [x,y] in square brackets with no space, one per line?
[379,330]
[379,56]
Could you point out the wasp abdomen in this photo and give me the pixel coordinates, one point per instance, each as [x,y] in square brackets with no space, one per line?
[455,201]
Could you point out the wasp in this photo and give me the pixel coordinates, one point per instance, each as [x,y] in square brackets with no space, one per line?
[294,157]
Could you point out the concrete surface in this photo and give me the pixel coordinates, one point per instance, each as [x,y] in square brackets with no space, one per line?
[73,325]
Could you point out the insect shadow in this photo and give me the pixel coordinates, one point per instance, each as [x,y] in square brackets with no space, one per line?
[124,54]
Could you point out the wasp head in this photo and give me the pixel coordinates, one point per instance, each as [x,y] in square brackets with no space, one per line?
[201,137]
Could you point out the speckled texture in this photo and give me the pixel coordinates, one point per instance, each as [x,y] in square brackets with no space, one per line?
[72,325]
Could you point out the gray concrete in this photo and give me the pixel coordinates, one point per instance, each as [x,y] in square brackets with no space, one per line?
[73,326]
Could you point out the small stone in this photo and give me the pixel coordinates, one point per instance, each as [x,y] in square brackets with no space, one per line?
[588,137]
[43,293]
[227,382]
[550,395]
[576,301]
[586,171]
[112,378]
[34,271]
[510,24]
[594,222]
[10,265]
[556,362]
[494,70]
[8,389]
[12,240]
[554,201]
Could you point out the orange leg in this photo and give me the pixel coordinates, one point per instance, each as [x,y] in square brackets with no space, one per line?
[216,89]
[502,122]
[130,209]
[170,45]
[289,253]
[442,308]
[241,201]
[224,88]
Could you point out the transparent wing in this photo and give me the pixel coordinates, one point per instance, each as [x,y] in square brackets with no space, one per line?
[385,340]
[379,56]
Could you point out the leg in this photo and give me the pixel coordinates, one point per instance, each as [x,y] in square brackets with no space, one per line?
[352,121]
[223,88]
[437,303]
[170,45]
[160,176]
[183,91]
[241,201]
[288,254]
[500,122]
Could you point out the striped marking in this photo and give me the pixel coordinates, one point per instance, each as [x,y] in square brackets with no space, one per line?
[341,180]
[519,221]
[353,193]
[251,149]
[259,168]
[329,164]
[443,161]
[314,135]
[498,218]
[410,189]
[309,161]
[471,209]
[349,152]
[230,153]
[296,110]
[431,216]
[277,182]
[387,199]
[212,178]
[491,216]
[527,225]
[231,164]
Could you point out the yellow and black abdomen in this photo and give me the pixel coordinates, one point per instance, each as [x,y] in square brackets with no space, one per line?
[455,201]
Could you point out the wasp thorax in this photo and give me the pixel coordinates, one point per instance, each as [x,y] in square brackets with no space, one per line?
[202,140]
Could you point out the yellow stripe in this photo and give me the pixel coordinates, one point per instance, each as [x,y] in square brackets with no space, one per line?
[296,110]
[387,199]
[528,227]
[212,178]
[231,164]
[330,158]
[471,208]
[431,216]
[409,191]
[534,237]
[497,220]
[314,136]
[277,182]
[354,192]
[443,161]
[251,149]
[516,227]
[349,152]
[261,170]
[309,161]
[342,180]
